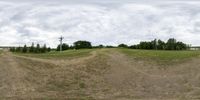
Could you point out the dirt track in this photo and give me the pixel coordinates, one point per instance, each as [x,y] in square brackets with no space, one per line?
[105,75]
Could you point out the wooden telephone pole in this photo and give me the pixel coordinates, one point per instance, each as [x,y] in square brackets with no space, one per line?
[61,39]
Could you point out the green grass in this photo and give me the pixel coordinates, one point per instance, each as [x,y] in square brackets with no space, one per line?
[59,55]
[161,54]
[1,52]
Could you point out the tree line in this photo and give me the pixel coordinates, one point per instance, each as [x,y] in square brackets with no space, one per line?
[171,44]
[81,45]
[31,49]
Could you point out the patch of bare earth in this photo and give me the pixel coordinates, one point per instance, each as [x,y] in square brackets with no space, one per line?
[104,75]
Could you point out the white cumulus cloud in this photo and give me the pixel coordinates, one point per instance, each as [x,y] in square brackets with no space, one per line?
[98,22]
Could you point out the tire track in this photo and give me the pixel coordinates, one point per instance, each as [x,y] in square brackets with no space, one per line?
[61,62]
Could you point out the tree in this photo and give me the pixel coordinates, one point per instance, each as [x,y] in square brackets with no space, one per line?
[171,44]
[48,49]
[161,45]
[154,44]
[37,49]
[44,49]
[19,49]
[133,47]
[64,47]
[181,46]
[25,49]
[109,46]
[71,47]
[12,49]
[82,45]
[123,46]
[146,45]
[100,46]
[32,48]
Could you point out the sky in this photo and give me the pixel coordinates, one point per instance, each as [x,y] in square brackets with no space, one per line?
[107,22]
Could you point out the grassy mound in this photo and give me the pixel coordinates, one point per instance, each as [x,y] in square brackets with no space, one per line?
[59,55]
[160,55]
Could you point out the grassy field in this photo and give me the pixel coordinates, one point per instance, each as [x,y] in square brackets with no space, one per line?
[60,55]
[1,52]
[106,74]
[160,54]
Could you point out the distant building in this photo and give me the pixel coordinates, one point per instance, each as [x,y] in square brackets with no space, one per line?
[195,48]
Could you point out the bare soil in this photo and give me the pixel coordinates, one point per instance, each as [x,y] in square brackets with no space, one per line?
[104,75]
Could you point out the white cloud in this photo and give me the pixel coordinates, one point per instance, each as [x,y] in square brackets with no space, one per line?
[118,23]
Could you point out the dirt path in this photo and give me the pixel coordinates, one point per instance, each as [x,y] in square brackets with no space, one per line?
[12,77]
[123,75]
[135,79]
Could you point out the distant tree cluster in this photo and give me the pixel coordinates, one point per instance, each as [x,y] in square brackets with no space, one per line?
[82,45]
[31,49]
[76,45]
[64,47]
[99,46]
[171,44]
[123,46]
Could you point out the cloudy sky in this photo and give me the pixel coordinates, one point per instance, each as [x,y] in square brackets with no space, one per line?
[107,22]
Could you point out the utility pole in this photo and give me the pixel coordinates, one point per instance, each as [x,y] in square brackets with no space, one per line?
[156,43]
[61,39]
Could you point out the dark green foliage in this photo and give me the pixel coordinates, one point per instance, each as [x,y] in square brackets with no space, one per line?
[71,47]
[31,49]
[48,49]
[133,47]
[12,49]
[181,46]
[146,45]
[64,47]
[37,49]
[99,46]
[161,45]
[25,49]
[82,45]
[44,49]
[123,46]
[171,44]
[109,46]
[18,49]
